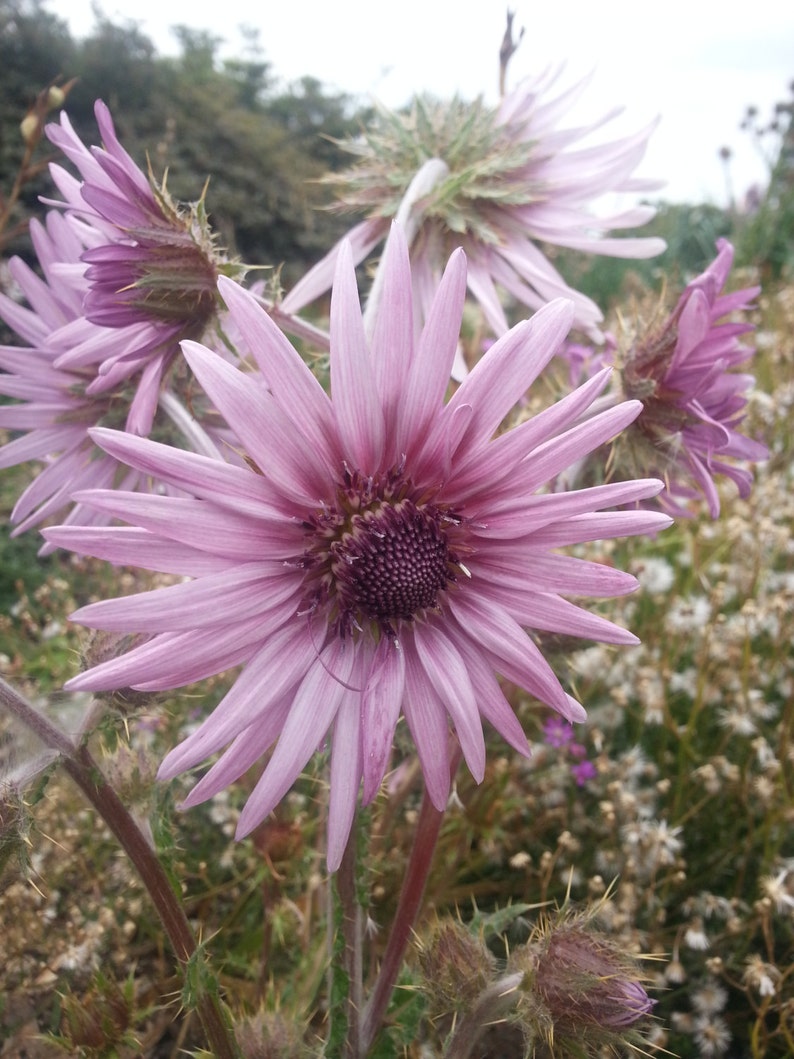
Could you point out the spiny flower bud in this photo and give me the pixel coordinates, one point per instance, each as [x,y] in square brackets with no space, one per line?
[101,1019]
[106,646]
[584,980]
[580,989]
[22,771]
[268,1035]
[456,967]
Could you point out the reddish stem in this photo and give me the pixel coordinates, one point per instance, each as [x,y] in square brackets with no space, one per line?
[428,828]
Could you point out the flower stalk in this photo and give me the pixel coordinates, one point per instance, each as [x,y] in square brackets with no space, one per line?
[352,932]
[428,829]
[492,1003]
[78,762]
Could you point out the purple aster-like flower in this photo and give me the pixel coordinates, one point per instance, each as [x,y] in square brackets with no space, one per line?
[381,553]
[694,402]
[498,182]
[56,406]
[150,267]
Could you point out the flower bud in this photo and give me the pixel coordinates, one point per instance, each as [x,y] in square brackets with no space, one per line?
[30,129]
[56,97]
[268,1035]
[29,775]
[105,646]
[585,981]
[100,1020]
[456,967]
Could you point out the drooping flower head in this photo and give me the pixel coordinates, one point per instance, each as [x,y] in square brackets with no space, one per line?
[125,276]
[150,267]
[55,406]
[694,401]
[496,181]
[381,553]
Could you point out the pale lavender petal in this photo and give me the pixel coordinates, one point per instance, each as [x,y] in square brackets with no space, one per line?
[245,750]
[508,368]
[199,523]
[241,489]
[273,673]
[447,672]
[381,701]
[427,381]
[346,769]
[131,546]
[314,707]
[262,427]
[515,654]
[363,238]
[286,375]
[393,335]
[356,399]
[427,721]
[248,591]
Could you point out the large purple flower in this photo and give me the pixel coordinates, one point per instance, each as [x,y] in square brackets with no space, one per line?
[382,553]
[694,401]
[500,182]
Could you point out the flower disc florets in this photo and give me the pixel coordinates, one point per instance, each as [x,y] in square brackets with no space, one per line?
[381,553]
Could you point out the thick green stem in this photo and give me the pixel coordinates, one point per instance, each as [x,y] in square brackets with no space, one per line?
[85,772]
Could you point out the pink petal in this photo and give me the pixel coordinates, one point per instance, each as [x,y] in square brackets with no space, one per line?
[315,705]
[272,673]
[355,394]
[425,386]
[266,432]
[381,701]
[427,721]
[346,768]
[291,382]
[245,751]
[245,591]
[449,676]
[507,370]
[513,652]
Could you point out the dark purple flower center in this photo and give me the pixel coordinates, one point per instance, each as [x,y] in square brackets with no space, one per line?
[380,555]
[392,561]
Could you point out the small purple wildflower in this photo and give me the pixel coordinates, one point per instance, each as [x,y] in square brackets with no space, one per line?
[583,771]
[558,732]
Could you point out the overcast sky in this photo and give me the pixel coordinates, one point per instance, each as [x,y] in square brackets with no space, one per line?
[695,63]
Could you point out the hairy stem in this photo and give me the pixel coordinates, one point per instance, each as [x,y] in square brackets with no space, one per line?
[428,828]
[491,1004]
[352,933]
[80,765]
